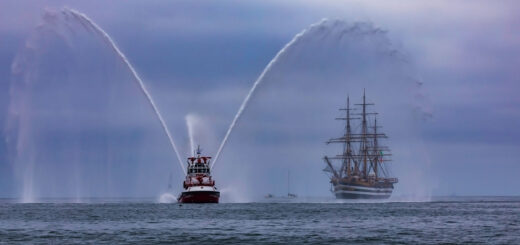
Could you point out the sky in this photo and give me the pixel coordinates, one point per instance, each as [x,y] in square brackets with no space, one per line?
[86,130]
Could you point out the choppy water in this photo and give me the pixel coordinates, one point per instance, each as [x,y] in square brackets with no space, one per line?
[448,220]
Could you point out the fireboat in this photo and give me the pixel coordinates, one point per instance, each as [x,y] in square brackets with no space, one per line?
[198,185]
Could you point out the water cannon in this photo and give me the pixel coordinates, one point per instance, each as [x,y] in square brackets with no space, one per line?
[198,151]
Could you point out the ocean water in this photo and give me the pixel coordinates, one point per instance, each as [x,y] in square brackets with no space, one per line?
[489,220]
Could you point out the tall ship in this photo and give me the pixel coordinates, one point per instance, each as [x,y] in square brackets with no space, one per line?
[198,186]
[360,171]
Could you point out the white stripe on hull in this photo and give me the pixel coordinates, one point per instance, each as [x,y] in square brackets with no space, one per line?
[364,193]
[201,188]
[365,188]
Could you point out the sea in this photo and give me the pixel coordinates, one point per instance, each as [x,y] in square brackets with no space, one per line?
[442,220]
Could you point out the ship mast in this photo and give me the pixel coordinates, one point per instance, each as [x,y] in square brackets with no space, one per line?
[377,152]
[288,182]
[347,143]
[364,140]
[361,161]
[347,152]
[376,148]
[364,136]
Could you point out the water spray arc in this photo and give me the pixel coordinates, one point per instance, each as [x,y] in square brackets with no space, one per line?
[253,89]
[88,22]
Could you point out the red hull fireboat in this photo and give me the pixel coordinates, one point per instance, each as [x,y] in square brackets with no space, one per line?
[198,185]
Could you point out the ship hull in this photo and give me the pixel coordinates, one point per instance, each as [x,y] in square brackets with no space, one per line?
[342,195]
[349,190]
[199,197]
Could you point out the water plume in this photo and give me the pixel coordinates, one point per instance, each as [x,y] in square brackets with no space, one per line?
[251,92]
[98,30]
[189,124]
[76,113]
[314,28]
[200,133]
[301,89]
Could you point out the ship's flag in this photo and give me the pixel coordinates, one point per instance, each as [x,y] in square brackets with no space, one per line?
[327,169]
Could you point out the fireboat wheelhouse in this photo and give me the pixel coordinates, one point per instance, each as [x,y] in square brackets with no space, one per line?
[198,185]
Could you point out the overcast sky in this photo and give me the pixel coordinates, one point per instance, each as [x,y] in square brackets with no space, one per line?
[92,133]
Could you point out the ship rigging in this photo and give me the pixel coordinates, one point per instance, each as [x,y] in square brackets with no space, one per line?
[362,171]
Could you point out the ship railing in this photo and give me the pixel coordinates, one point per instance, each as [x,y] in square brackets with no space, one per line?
[371,178]
[199,183]
[386,180]
[391,180]
[186,185]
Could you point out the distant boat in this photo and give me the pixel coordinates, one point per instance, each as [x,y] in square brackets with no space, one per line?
[199,187]
[289,194]
[359,172]
[170,186]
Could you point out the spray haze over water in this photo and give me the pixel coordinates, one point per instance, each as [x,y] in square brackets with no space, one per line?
[281,124]
[52,78]
[84,19]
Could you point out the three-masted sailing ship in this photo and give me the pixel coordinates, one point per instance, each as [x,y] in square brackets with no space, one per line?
[359,172]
